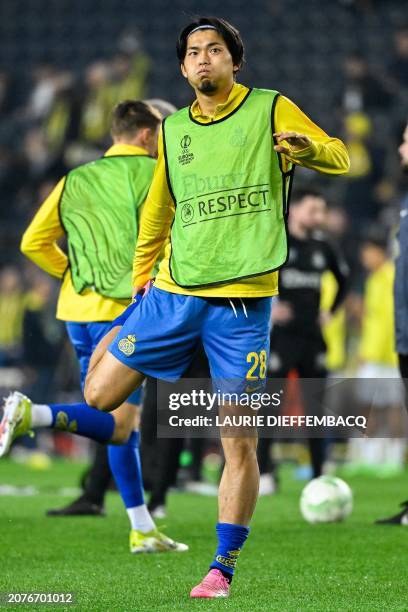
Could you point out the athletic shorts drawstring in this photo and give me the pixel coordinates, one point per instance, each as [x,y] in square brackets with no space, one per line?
[235,310]
[244,307]
[233,307]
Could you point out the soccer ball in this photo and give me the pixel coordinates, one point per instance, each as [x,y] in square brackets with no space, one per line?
[326,500]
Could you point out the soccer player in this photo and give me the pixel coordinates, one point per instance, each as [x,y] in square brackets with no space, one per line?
[296,341]
[220,188]
[97,206]
[378,362]
[401,309]
[96,483]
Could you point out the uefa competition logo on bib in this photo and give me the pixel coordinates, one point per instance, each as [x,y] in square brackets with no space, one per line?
[187,213]
[186,157]
[127,345]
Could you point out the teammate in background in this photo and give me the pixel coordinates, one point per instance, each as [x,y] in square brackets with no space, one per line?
[378,392]
[97,206]
[98,478]
[218,273]
[401,308]
[296,341]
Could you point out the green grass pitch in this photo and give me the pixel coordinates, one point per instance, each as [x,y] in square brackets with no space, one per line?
[287,565]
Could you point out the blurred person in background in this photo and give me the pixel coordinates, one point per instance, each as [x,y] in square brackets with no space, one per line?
[17,209]
[40,160]
[42,338]
[401,304]
[96,105]
[42,93]
[366,167]
[97,207]
[27,204]
[378,384]
[106,83]
[62,121]
[6,105]
[132,67]
[334,327]
[398,68]
[12,305]
[296,338]
[128,76]
[12,166]
[339,230]
[401,296]
[361,89]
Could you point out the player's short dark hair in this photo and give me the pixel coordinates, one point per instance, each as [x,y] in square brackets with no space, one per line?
[376,235]
[129,116]
[227,31]
[298,195]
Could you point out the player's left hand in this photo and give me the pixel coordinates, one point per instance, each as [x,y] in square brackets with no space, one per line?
[325,318]
[296,142]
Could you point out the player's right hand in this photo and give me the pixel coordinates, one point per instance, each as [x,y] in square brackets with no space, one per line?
[142,290]
[297,142]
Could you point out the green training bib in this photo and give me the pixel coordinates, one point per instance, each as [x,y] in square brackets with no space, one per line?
[98,210]
[230,194]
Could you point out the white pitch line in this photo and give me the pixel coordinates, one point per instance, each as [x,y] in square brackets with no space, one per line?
[28,491]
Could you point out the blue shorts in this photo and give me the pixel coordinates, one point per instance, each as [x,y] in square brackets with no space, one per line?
[161,336]
[84,338]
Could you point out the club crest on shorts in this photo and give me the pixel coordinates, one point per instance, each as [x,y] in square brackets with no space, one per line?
[127,345]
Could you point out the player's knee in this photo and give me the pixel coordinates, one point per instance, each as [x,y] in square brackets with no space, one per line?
[239,451]
[96,396]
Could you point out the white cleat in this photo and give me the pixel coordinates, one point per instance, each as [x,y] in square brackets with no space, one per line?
[16,420]
[153,542]
[267,485]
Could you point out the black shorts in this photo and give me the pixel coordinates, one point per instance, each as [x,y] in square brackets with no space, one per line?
[297,351]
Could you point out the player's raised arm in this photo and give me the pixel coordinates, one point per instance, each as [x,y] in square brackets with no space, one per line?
[39,242]
[304,143]
[156,218]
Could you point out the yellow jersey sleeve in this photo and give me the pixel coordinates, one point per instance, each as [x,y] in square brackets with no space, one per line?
[325,154]
[39,242]
[157,215]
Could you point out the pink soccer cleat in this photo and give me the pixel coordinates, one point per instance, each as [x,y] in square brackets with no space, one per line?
[213,585]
